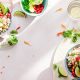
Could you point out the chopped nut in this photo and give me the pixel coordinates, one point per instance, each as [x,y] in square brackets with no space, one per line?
[5,27]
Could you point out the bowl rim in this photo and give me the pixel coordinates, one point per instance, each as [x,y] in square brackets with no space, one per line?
[33,14]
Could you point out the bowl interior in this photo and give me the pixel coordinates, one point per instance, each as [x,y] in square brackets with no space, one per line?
[24,8]
[75,3]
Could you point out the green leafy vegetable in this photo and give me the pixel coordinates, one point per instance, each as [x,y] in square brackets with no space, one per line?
[74,38]
[73,54]
[20,14]
[74,35]
[12,40]
[14,32]
[54,66]
[78,34]
[6,10]
[67,34]
[25,4]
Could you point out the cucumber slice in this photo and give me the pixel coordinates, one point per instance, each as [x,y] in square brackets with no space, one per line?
[20,14]
[77,71]
[62,72]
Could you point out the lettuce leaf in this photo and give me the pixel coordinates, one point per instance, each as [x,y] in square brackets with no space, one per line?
[12,40]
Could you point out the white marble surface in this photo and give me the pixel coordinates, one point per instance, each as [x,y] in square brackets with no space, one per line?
[33,63]
[41,69]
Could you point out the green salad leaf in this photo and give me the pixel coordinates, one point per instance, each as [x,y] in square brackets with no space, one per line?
[78,34]
[73,34]
[67,34]
[14,32]
[74,38]
[12,40]
[25,4]
[54,66]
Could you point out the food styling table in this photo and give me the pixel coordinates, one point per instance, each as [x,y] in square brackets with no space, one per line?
[36,44]
[23,62]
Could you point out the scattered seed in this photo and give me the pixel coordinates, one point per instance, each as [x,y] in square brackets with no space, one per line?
[27,43]
[3,67]
[8,56]
[59,10]
[1,72]
[18,28]
[63,26]
[65,40]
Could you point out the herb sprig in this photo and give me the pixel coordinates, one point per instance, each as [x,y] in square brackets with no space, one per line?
[73,34]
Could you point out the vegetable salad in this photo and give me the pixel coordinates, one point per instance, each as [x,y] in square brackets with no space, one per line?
[73,62]
[5,18]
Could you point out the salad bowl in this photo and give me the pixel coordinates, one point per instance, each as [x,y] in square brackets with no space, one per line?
[34,11]
[73,53]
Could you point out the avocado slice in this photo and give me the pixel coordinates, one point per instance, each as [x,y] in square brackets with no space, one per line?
[3,8]
[31,8]
[77,71]
[19,13]
[62,72]
[6,10]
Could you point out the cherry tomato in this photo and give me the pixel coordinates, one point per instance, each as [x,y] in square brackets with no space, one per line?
[78,58]
[1,14]
[73,73]
[9,15]
[38,8]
